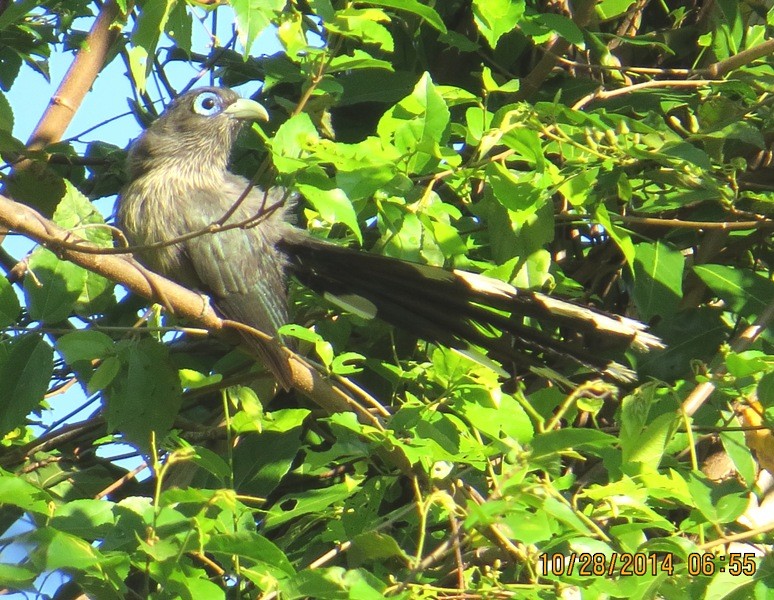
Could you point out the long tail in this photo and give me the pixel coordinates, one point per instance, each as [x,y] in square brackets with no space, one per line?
[460,309]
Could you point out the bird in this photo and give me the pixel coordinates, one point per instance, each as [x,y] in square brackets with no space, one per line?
[179,183]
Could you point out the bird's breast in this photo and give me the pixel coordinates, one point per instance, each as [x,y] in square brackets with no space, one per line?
[151,210]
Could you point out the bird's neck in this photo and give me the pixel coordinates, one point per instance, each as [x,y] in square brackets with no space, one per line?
[188,162]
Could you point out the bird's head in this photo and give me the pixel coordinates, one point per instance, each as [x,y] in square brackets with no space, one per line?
[194,133]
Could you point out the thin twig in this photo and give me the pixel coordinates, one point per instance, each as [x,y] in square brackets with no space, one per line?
[601,94]
[764,224]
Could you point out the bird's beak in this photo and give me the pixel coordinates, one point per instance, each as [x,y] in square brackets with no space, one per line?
[247,110]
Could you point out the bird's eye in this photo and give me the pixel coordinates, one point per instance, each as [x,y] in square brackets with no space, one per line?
[207,104]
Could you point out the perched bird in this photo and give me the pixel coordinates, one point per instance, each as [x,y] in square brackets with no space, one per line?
[180,183]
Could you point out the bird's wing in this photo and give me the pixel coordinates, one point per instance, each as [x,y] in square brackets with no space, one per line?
[244,274]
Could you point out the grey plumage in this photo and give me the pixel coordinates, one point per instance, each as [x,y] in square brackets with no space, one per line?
[179,183]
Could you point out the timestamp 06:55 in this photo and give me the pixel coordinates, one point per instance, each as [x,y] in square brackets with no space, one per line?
[627,564]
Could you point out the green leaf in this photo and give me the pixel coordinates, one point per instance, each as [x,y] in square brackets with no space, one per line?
[16,11]
[347,363]
[9,303]
[357,60]
[84,517]
[212,463]
[17,492]
[565,514]
[51,290]
[609,9]
[313,501]
[333,583]
[373,546]
[735,445]
[426,13]
[64,551]
[658,279]
[150,23]
[179,26]
[689,336]
[146,396]
[262,461]
[514,193]
[576,188]
[365,26]
[747,363]
[6,112]
[766,390]
[647,446]
[292,141]
[328,200]
[556,442]
[253,17]
[417,125]
[14,577]
[620,237]
[24,376]
[104,374]
[251,547]
[523,141]
[52,286]
[374,86]
[84,345]
[688,153]
[718,503]
[745,292]
[191,379]
[495,18]
[477,405]
[564,26]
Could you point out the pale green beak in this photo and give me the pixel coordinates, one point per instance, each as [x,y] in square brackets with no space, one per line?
[248,110]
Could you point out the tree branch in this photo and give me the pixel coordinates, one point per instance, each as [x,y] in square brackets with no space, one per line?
[78,80]
[183,302]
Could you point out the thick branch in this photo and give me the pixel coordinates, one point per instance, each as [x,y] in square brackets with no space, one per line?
[78,80]
[183,302]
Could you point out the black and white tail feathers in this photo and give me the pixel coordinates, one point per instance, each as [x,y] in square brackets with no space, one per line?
[460,309]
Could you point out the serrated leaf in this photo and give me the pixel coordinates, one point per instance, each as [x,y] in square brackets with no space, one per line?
[6,112]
